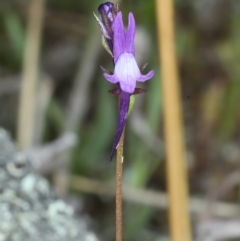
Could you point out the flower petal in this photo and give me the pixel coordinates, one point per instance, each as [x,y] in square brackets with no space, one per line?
[110,78]
[148,76]
[129,88]
[127,72]
[118,37]
[130,34]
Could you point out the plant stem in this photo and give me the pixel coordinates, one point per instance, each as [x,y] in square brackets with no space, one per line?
[119,168]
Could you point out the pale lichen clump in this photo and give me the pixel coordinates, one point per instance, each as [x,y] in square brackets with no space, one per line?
[29,208]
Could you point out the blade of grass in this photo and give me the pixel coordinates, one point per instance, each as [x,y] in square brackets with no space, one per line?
[173,127]
[14,31]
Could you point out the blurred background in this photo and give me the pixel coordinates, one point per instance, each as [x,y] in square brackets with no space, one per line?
[68,132]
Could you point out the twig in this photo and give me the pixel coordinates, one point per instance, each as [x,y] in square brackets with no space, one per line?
[26,121]
[150,198]
[43,158]
[173,127]
[78,100]
[119,167]
[230,181]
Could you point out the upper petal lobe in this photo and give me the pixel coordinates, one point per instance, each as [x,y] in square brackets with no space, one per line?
[130,35]
[118,37]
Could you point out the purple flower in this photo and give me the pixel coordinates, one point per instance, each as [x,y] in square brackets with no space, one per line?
[126,71]
[120,44]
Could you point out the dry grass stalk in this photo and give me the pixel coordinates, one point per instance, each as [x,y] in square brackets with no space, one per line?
[173,127]
[27,108]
